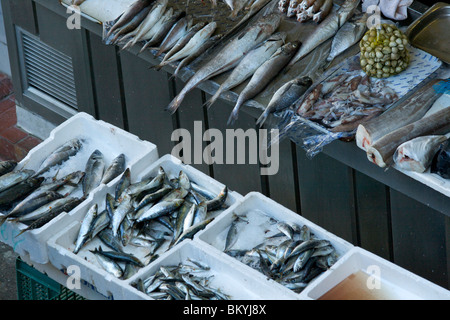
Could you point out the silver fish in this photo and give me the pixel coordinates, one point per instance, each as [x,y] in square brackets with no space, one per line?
[60,155]
[148,185]
[326,29]
[285,96]
[19,190]
[230,54]
[192,230]
[417,154]
[201,213]
[249,64]
[86,228]
[115,169]
[123,184]
[43,210]
[12,178]
[263,75]
[95,167]
[109,265]
[124,207]
[160,209]
[168,13]
[178,30]
[129,26]
[218,201]
[131,11]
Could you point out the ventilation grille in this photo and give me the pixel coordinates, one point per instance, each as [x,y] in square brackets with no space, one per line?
[49,70]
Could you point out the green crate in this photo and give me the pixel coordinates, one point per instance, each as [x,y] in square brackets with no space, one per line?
[34,285]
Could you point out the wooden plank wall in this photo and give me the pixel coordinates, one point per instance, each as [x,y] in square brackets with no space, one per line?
[126,92]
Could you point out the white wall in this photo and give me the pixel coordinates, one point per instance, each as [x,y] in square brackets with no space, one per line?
[4,59]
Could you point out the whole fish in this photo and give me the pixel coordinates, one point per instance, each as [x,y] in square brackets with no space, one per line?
[109,240]
[86,228]
[201,213]
[183,41]
[150,20]
[325,30]
[250,63]
[95,167]
[130,26]
[7,166]
[156,27]
[416,154]
[197,52]
[153,197]
[43,211]
[60,155]
[118,256]
[12,178]
[197,40]
[285,96]
[115,169]
[109,265]
[232,234]
[230,54]
[179,29]
[218,201]
[164,29]
[146,185]
[70,183]
[70,204]
[101,222]
[255,7]
[123,184]
[160,209]
[19,190]
[189,218]
[350,33]
[263,75]
[125,206]
[129,14]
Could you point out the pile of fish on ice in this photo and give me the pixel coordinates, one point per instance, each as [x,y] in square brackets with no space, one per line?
[153,214]
[29,198]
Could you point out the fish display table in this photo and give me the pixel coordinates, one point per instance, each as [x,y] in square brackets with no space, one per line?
[381,210]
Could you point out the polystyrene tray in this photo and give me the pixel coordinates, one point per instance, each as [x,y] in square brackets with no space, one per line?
[109,139]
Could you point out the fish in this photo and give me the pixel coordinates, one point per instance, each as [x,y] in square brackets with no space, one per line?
[70,204]
[404,112]
[230,54]
[123,184]
[150,20]
[286,229]
[232,234]
[417,154]
[327,29]
[324,11]
[109,265]
[118,256]
[147,185]
[285,96]
[160,209]
[77,2]
[201,213]
[179,29]
[115,169]
[192,230]
[60,155]
[7,166]
[19,190]
[100,222]
[440,164]
[152,197]
[249,64]
[128,15]
[382,151]
[124,207]
[264,75]
[87,224]
[94,170]
[12,178]
[197,40]
[349,34]
[196,52]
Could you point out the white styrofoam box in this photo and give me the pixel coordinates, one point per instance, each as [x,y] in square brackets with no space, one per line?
[259,210]
[109,139]
[61,245]
[386,280]
[227,274]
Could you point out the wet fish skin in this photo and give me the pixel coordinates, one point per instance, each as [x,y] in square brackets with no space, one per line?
[109,265]
[124,207]
[417,154]
[178,30]
[86,228]
[60,155]
[165,28]
[118,256]
[123,184]
[12,178]
[263,75]
[230,54]
[159,209]
[191,231]
[129,14]
[19,190]
[218,201]
[94,170]
[152,197]
[7,166]
[115,169]
[285,96]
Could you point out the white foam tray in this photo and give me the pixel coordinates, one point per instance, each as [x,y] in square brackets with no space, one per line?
[101,11]
[61,245]
[391,281]
[263,208]
[109,139]
[228,275]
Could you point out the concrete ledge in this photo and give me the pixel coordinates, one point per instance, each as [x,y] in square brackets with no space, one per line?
[33,123]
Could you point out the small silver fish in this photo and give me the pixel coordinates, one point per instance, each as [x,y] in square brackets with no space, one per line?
[86,228]
[115,169]
[60,155]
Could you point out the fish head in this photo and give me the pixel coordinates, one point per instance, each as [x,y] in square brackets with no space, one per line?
[303,81]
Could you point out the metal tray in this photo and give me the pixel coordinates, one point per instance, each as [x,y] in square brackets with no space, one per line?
[430,31]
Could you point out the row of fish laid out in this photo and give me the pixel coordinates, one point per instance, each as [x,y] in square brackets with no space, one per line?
[288,253]
[190,280]
[391,137]
[27,197]
[153,214]
[315,10]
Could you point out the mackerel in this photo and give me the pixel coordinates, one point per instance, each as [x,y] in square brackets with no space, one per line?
[86,228]
[95,167]
[19,190]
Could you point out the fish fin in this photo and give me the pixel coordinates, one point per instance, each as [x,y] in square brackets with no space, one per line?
[3,219]
[262,118]
[174,104]
[21,232]
[234,114]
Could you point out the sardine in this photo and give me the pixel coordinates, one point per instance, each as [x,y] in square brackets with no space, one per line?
[325,30]
[232,235]
[416,154]
[116,168]
[109,265]
[7,166]
[131,12]
[147,185]
[12,178]
[101,222]
[285,96]
[250,63]
[60,155]
[218,201]
[95,167]
[19,190]
[123,184]
[201,213]
[66,185]
[230,54]
[118,256]
[124,207]
[86,228]
[178,30]
[159,209]
[263,75]
[191,231]
[152,197]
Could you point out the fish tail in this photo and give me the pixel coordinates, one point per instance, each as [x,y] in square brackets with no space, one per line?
[21,232]
[234,114]
[3,219]
[127,45]
[213,99]
[262,118]
[173,106]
